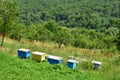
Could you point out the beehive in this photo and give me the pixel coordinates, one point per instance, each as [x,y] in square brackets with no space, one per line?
[71,63]
[38,56]
[54,60]
[24,53]
[96,65]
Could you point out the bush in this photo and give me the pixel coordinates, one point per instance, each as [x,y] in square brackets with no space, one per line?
[16,36]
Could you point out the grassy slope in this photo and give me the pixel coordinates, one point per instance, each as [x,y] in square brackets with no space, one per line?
[13,68]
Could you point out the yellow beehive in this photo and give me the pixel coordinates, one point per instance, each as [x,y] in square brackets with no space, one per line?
[38,56]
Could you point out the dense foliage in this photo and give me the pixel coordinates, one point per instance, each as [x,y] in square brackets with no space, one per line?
[96,22]
[71,13]
[105,39]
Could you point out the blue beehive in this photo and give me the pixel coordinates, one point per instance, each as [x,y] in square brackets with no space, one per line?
[24,53]
[54,60]
[71,63]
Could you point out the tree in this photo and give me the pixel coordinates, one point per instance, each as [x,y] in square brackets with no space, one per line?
[17,35]
[43,34]
[51,26]
[116,23]
[8,13]
[118,41]
[62,37]
[31,32]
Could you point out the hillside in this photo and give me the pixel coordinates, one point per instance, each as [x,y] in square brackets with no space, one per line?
[14,68]
[45,26]
[96,23]
[71,13]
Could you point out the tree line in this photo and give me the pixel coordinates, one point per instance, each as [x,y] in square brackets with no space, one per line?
[105,39]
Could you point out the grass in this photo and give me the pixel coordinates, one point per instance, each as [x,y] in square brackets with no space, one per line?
[14,68]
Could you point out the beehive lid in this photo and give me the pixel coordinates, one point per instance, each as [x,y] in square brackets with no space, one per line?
[71,60]
[38,53]
[25,50]
[96,62]
[55,57]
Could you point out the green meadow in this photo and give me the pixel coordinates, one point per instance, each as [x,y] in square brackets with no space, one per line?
[14,68]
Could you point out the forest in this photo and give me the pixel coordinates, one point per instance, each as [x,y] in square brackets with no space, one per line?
[72,13]
[91,24]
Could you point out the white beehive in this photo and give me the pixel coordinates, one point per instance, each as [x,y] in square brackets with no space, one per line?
[97,65]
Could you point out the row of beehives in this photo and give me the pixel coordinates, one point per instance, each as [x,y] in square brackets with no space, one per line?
[40,56]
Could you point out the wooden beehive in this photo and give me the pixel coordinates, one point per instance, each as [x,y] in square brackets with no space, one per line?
[97,65]
[38,56]
[54,60]
[71,63]
[24,53]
